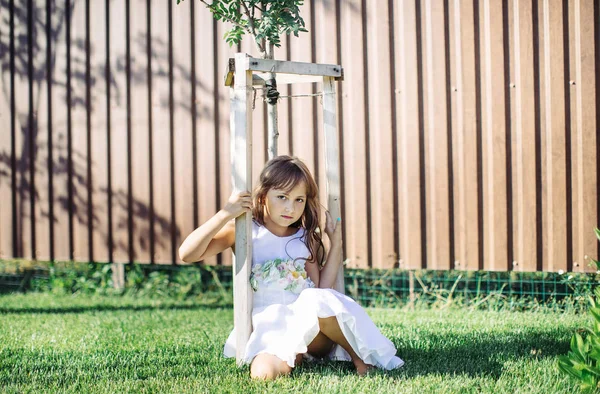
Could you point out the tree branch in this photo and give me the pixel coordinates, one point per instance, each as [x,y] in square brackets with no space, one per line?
[252,27]
[250,20]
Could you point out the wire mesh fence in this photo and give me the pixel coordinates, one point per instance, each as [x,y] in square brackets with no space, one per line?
[393,287]
[373,287]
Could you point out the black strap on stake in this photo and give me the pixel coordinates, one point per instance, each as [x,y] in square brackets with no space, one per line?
[271,94]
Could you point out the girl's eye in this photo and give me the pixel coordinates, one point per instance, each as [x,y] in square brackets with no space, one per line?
[281,197]
[300,200]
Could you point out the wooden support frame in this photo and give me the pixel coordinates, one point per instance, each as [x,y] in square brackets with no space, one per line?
[241,173]
[332,160]
[287,72]
[243,73]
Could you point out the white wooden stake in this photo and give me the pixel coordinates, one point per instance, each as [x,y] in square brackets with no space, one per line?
[241,172]
[118,275]
[332,160]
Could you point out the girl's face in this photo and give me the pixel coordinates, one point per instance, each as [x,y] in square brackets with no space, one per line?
[283,208]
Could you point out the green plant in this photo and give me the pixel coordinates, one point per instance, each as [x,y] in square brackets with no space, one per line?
[134,277]
[264,20]
[186,283]
[583,361]
[75,278]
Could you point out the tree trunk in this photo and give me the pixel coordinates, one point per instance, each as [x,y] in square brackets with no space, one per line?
[273,130]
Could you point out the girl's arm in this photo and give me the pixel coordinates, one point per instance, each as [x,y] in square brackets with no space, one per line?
[218,233]
[334,257]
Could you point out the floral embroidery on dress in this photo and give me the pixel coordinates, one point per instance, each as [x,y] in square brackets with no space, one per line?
[286,274]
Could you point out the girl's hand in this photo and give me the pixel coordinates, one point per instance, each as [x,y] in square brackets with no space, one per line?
[238,204]
[333,229]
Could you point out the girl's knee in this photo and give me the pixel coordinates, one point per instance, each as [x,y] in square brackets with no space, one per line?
[262,371]
[326,322]
[268,367]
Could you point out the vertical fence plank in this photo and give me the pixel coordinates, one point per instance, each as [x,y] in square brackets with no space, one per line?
[284,105]
[140,144]
[409,129]
[161,132]
[40,112]
[6,209]
[494,125]
[206,78]
[303,111]
[23,131]
[184,148]
[259,113]
[22,152]
[523,141]
[553,142]
[325,52]
[79,129]
[436,141]
[224,53]
[463,87]
[584,134]
[118,130]
[60,154]
[99,140]
[353,121]
[381,213]
[89,84]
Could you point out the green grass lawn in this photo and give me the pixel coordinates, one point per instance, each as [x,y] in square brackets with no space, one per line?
[120,344]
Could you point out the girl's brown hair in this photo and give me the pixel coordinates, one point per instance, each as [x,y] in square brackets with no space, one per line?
[284,173]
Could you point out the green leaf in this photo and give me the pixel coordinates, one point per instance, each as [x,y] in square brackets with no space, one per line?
[593,370]
[597,231]
[575,356]
[596,313]
[566,366]
[588,381]
[234,9]
[579,345]
[594,352]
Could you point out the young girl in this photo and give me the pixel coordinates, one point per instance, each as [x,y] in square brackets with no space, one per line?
[295,311]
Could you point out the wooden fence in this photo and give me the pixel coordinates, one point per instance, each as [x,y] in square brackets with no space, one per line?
[468,129]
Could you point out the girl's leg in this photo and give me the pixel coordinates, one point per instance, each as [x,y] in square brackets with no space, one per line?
[331,329]
[320,346]
[268,367]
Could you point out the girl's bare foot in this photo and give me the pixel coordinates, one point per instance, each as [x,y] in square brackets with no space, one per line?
[361,368]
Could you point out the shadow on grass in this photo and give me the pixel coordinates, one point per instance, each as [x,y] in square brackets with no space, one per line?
[110,308]
[481,356]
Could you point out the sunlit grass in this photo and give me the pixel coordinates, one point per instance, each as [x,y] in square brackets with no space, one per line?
[123,344]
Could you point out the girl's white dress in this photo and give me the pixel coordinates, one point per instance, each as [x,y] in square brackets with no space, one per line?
[287,306]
